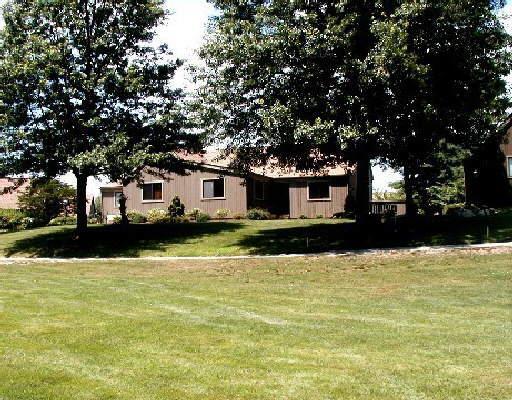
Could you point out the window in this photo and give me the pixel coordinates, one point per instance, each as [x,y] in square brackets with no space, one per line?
[259,190]
[213,188]
[509,162]
[117,196]
[152,192]
[319,191]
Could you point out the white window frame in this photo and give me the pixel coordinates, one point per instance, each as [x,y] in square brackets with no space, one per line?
[116,206]
[509,170]
[151,201]
[323,199]
[264,190]
[212,198]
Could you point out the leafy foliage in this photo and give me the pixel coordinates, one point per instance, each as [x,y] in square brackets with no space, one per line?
[63,221]
[45,200]
[136,217]
[158,216]
[202,217]
[417,85]
[223,213]
[176,208]
[85,89]
[258,214]
[14,220]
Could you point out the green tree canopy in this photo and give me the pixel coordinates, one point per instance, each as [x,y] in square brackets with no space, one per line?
[46,199]
[443,64]
[314,82]
[84,88]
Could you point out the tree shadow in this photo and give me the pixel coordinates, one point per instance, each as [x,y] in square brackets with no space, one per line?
[400,232]
[115,240]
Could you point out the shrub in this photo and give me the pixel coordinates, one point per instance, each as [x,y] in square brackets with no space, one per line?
[117,220]
[61,221]
[13,220]
[181,220]
[258,214]
[202,217]
[319,216]
[158,216]
[223,213]
[176,208]
[45,200]
[192,214]
[454,209]
[136,217]
[239,216]
[303,217]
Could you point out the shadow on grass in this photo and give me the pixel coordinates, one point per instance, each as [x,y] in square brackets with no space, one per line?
[114,240]
[435,231]
[235,238]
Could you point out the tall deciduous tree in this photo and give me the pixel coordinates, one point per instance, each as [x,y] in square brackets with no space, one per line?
[288,80]
[443,64]
[83,88]
[314,82]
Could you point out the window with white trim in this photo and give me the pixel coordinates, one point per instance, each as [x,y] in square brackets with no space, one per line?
[320,190]
[509,164]
[213,188]
[153,191]
[259,190]
[117,197]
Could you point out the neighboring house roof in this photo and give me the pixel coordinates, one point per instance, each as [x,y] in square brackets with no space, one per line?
[9,193]
[213,160]
[271,170]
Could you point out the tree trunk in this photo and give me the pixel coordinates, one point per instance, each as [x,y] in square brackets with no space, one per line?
[81,204]
[363,189]
[411,209]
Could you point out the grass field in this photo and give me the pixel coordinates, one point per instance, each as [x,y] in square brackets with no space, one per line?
[251,237]
[323,328]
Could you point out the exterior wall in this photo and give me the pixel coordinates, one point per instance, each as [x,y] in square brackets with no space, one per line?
[188,188]
[506,148]
[300,205]
[9,199]
[107,203]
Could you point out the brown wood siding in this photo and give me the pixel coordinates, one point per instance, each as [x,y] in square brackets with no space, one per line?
[107,203]
[507,151]
[300,205]
[188,188]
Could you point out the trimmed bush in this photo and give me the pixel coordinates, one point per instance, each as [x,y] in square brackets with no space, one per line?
[14,220]
[62,221]
[223,213]
[202,217]
[258,214]
[303,217]
[176,208]
[136,217]
[192,214]
[158,216]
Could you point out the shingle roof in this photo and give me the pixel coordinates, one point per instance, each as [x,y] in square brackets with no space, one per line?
[213,159]
[271,170]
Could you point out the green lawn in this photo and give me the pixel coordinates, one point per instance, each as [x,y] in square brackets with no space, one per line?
[323,328]
[251,237]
